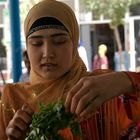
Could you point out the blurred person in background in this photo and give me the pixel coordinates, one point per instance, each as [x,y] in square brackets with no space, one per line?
[2,49]
[100,60]
[83,54]
[25,75]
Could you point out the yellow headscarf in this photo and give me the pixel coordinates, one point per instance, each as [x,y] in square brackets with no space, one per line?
[56,88]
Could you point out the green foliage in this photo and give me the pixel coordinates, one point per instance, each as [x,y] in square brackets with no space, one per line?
[112,9]
[49,120]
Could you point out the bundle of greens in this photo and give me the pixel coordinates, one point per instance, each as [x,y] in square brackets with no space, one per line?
[50,120]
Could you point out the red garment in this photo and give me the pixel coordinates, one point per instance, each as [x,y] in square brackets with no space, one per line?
[115,116]
[138,130]
[100,62]
[132,104]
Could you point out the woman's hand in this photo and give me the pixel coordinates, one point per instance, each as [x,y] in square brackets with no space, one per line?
[17,127]
[90,92]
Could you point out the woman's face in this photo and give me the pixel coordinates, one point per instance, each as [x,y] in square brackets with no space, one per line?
[50,52]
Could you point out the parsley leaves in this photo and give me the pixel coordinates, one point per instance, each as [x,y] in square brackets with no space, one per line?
[49,120]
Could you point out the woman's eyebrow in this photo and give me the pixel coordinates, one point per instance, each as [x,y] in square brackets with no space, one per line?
[35,36]
[46,36]
[59,34]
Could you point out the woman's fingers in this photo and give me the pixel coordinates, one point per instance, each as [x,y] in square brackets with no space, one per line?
[84,102]
[70,95]
[28,112]
[80,96]
[28,109]
[91,108]
[24,114]
[18,125]
[76,100]
[84,98]
[13,133]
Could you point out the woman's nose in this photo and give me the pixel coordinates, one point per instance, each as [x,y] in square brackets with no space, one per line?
[48,50]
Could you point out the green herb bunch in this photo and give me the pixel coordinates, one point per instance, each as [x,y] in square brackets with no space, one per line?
[49,120]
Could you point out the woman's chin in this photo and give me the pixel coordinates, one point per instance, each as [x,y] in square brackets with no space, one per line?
[50,76]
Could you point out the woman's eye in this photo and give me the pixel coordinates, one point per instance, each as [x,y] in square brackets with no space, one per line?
[37,44]
[59,41]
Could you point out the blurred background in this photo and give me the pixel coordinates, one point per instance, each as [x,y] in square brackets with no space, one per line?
[114,23]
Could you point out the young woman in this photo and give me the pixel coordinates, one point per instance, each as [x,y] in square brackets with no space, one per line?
[57,72]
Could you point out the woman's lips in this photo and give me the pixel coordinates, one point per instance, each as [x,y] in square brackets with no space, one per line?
[48,66]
